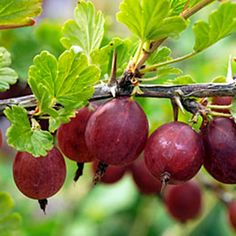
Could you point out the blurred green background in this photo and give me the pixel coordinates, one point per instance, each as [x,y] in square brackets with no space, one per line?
[82,209]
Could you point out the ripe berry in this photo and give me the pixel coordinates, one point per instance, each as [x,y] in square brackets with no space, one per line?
[219,140]
[174,153]
[116,133]
[184,201]
[232,214]
[71,138]
[144,181]
[39,178]
[112,175]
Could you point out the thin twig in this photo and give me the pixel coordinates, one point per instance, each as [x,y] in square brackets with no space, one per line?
[156,91]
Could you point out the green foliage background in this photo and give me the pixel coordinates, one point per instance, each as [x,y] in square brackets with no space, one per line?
[117,210]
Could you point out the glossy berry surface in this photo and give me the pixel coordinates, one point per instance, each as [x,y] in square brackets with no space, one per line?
[41,177]
[232,214]
[219,140]
[145,182]
[184,201]
[175,151]
[71,136]
[117,132]
[112,174]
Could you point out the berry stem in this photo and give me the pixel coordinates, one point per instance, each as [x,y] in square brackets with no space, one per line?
[101,169]
[79,171]
[43,203]
[165,178]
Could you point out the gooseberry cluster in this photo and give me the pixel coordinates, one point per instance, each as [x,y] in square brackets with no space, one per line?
[114,136]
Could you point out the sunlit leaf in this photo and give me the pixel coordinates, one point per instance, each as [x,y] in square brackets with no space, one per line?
[150,19]
[23,137]
[86,30]
[18,13]
[221,23]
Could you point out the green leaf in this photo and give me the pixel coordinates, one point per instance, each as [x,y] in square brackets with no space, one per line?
[23,137]
[177,6]
[68,81]
[61,116]
[219,79]
[7,75]
[18,13]
[6,204]
[161,55]
[5,58]
[103,57]
[150,19]
[86,31]
[10,222]
[185,79]
[221,23]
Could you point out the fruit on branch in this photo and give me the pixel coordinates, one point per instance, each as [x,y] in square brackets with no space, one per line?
[145,182]
[39,178]
[174,153]
[184,202]
[223,101]
[232,213]
[112,175]
[117,132]
[219,138]
[71,138]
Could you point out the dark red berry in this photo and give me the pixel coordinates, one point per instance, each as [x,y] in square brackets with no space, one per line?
[184,201]
[232,213]
[41,177]
[112,174]
[220,146]
[71,136]
[227,100]
[174,153]
[145,182]
[117,132]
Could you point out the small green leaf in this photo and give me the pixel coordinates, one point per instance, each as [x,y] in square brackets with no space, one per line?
[219,79]
[18,13]
[222,22]
[7,75]
[177,6]
[185,79]
[5,58]
[86,31]
[161,55]
[10,222]
[62,116]
[150,19]
[23,137]
[6,204]
[103,57]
